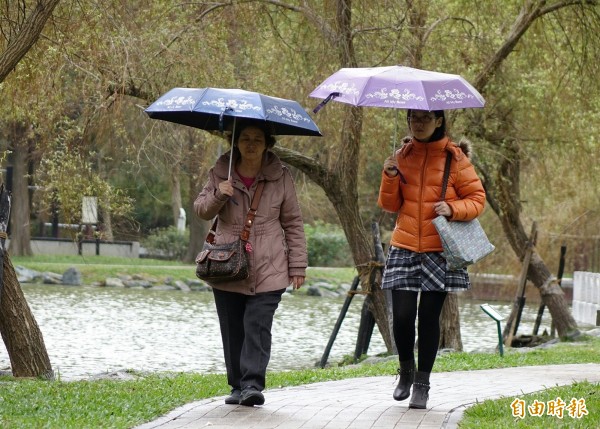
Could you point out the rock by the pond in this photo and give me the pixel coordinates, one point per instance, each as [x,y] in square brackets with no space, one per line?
[314,291]
[137,284]
[51,278]
[113,282]
[25,275]
[72,277]
[182,286]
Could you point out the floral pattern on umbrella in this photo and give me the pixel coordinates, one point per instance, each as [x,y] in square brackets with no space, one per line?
[399,87]
[214,108]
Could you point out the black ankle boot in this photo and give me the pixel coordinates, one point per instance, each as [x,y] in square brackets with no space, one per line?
[420,393]
[407,376]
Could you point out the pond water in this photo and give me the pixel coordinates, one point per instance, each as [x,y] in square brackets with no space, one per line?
[90,330]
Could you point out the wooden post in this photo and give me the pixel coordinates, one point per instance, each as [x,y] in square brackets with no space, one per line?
[513,321]
[340,319]
[365,329]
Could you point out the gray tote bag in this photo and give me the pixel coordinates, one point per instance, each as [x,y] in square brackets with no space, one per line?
[464,242]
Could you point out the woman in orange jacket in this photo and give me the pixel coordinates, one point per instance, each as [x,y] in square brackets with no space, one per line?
[411,185]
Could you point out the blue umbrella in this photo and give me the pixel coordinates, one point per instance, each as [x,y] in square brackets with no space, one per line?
[216,109]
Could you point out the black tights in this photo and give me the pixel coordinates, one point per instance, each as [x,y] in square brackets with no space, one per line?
[405,313]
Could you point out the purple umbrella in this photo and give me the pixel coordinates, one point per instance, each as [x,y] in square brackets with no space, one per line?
[398,87]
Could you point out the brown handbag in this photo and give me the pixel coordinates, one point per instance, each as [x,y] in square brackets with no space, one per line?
[227,262]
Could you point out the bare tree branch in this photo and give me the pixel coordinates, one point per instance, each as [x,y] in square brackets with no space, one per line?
[319,23]
[25,38]
[529,13]
[440,21]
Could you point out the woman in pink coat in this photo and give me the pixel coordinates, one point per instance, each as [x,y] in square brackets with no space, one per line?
[278,256]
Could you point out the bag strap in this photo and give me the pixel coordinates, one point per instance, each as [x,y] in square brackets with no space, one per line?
[446,175]
[245,234]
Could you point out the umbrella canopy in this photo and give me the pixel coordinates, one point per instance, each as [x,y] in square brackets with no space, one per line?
[398,87]
[215,109]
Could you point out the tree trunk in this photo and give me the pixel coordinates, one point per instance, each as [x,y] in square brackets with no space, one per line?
[503,194]
[176,203]
[107,229]
[450,337]
[20,240]
[19,330]
[197,178]
[553,297]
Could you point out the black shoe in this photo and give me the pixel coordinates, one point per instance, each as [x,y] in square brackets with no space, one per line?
[420,393]
[251,397]
[407,376]
[234,397]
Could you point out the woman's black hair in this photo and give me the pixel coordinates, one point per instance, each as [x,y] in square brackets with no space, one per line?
[269,138]
[440,131]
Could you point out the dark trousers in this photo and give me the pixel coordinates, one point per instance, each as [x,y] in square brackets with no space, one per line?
[246,322]
[404,305]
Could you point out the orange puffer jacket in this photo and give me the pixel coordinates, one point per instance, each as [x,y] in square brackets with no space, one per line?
[413,193]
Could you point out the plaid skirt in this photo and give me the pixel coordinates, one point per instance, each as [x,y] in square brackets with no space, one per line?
[407,270]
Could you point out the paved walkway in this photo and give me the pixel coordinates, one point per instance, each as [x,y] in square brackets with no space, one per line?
[366,403]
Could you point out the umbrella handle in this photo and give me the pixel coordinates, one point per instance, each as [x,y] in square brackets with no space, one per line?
[327,100]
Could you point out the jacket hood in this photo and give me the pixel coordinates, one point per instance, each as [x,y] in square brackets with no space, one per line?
[466,146]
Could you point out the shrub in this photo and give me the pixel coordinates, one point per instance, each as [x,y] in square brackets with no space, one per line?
[167,243]
[327,246]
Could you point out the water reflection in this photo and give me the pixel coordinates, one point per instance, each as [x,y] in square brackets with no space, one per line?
[90,330]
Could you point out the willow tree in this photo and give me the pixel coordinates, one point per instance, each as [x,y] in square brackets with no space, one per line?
[569,26]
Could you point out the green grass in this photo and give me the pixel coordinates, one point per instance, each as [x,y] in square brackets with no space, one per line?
[577,399]
[124,404]
[96,269]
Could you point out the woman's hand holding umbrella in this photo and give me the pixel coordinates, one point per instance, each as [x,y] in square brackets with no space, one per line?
[226,188]
[390,166]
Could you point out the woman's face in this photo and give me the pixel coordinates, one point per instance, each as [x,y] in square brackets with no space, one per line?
[423,124]
[252,143]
